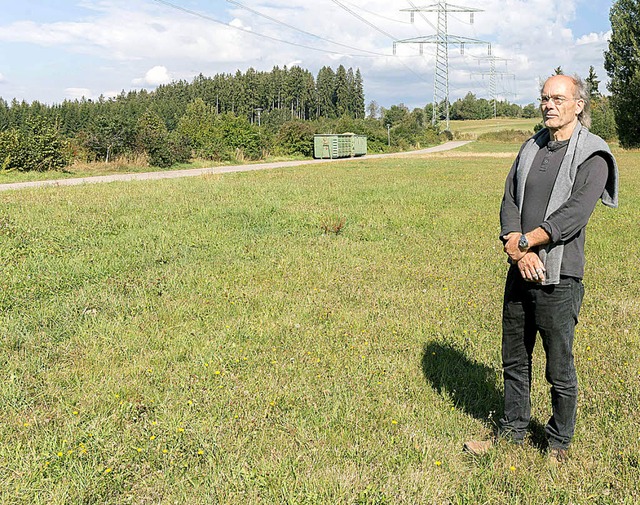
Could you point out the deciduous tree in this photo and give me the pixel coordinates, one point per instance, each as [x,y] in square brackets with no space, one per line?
[623,66]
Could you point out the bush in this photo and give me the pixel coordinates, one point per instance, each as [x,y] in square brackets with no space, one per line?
[241,137]
[164,149]
[12,155]
[603,121]
[39,147]
[509,136]
[295,137]
[179,147]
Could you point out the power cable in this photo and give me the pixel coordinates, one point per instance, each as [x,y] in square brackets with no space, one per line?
[358,16]
[378,15]
[303,31]
[244,30]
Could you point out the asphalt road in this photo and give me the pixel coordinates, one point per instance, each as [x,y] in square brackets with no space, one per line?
[193,172]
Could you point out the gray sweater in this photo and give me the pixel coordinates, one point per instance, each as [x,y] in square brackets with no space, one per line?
[569,195]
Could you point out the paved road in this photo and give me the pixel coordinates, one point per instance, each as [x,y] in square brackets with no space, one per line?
[214,170]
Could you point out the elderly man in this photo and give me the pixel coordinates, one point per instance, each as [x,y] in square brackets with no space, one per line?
[550,193]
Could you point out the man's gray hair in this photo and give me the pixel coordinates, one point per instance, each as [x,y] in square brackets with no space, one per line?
[582,93]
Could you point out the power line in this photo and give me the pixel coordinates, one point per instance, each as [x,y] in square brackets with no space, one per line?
[378,15]
[303,31]
[358,16]
[244,30]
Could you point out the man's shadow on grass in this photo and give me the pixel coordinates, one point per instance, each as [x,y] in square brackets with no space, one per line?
[473,387]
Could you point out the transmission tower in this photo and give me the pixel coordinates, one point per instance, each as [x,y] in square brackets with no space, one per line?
[442,39]
[493,88]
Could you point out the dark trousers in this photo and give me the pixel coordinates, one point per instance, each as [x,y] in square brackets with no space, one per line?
[552,311]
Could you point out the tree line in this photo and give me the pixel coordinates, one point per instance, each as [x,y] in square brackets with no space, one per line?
[226,117]
[237,115]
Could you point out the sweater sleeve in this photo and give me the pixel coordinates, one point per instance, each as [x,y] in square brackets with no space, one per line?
[574,214]
[509,212]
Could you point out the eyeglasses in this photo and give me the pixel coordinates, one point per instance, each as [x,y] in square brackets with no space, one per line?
[557,100]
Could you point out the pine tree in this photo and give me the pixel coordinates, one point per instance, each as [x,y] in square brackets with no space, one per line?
[593,82]
[326,87]
[358,99]
[342,92]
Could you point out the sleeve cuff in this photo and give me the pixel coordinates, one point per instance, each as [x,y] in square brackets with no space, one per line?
[553,231]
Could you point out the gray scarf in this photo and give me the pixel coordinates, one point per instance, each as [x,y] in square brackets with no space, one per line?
[582,146]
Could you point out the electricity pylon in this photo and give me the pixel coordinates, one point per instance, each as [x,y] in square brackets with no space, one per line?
[442,39]
[493,91]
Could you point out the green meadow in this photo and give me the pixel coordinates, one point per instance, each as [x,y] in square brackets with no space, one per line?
[327,334]
[473,128]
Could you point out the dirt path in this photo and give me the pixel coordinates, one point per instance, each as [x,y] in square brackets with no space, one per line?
[193,172]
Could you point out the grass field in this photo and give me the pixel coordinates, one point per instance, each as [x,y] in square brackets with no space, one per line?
[309,335]
[473,128]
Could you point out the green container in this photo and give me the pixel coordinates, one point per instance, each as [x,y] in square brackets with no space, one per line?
[359,145]
[343,145]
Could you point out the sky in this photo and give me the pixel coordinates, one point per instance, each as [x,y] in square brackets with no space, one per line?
[53,50]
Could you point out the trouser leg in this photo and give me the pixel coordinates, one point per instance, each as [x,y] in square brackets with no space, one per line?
[557,309]
[518,339]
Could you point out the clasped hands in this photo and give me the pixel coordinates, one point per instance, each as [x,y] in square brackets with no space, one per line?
[529,264]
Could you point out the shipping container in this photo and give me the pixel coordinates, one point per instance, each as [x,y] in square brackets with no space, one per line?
[339,145]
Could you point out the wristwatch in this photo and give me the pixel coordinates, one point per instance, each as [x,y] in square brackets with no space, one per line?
[523,243]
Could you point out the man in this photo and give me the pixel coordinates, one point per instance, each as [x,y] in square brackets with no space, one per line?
[550,193]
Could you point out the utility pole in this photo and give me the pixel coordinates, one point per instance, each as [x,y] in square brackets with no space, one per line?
[442,39]
[492,78]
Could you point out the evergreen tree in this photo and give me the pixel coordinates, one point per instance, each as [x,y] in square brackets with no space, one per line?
[358,99]
[342,92]
[623,66]
[593,82]
[326,88]
[4,114]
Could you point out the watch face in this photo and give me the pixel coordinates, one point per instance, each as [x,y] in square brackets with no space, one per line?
[523,243]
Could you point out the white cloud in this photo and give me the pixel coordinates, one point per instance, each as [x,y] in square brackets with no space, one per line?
[593,38]
[237,23]
[78,93]
[2,78]
[154,77]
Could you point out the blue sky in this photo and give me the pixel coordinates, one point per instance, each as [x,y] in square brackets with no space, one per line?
[54,50]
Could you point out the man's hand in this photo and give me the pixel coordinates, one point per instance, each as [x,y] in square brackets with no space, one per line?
[531,267]
[511,246]
[536,237]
